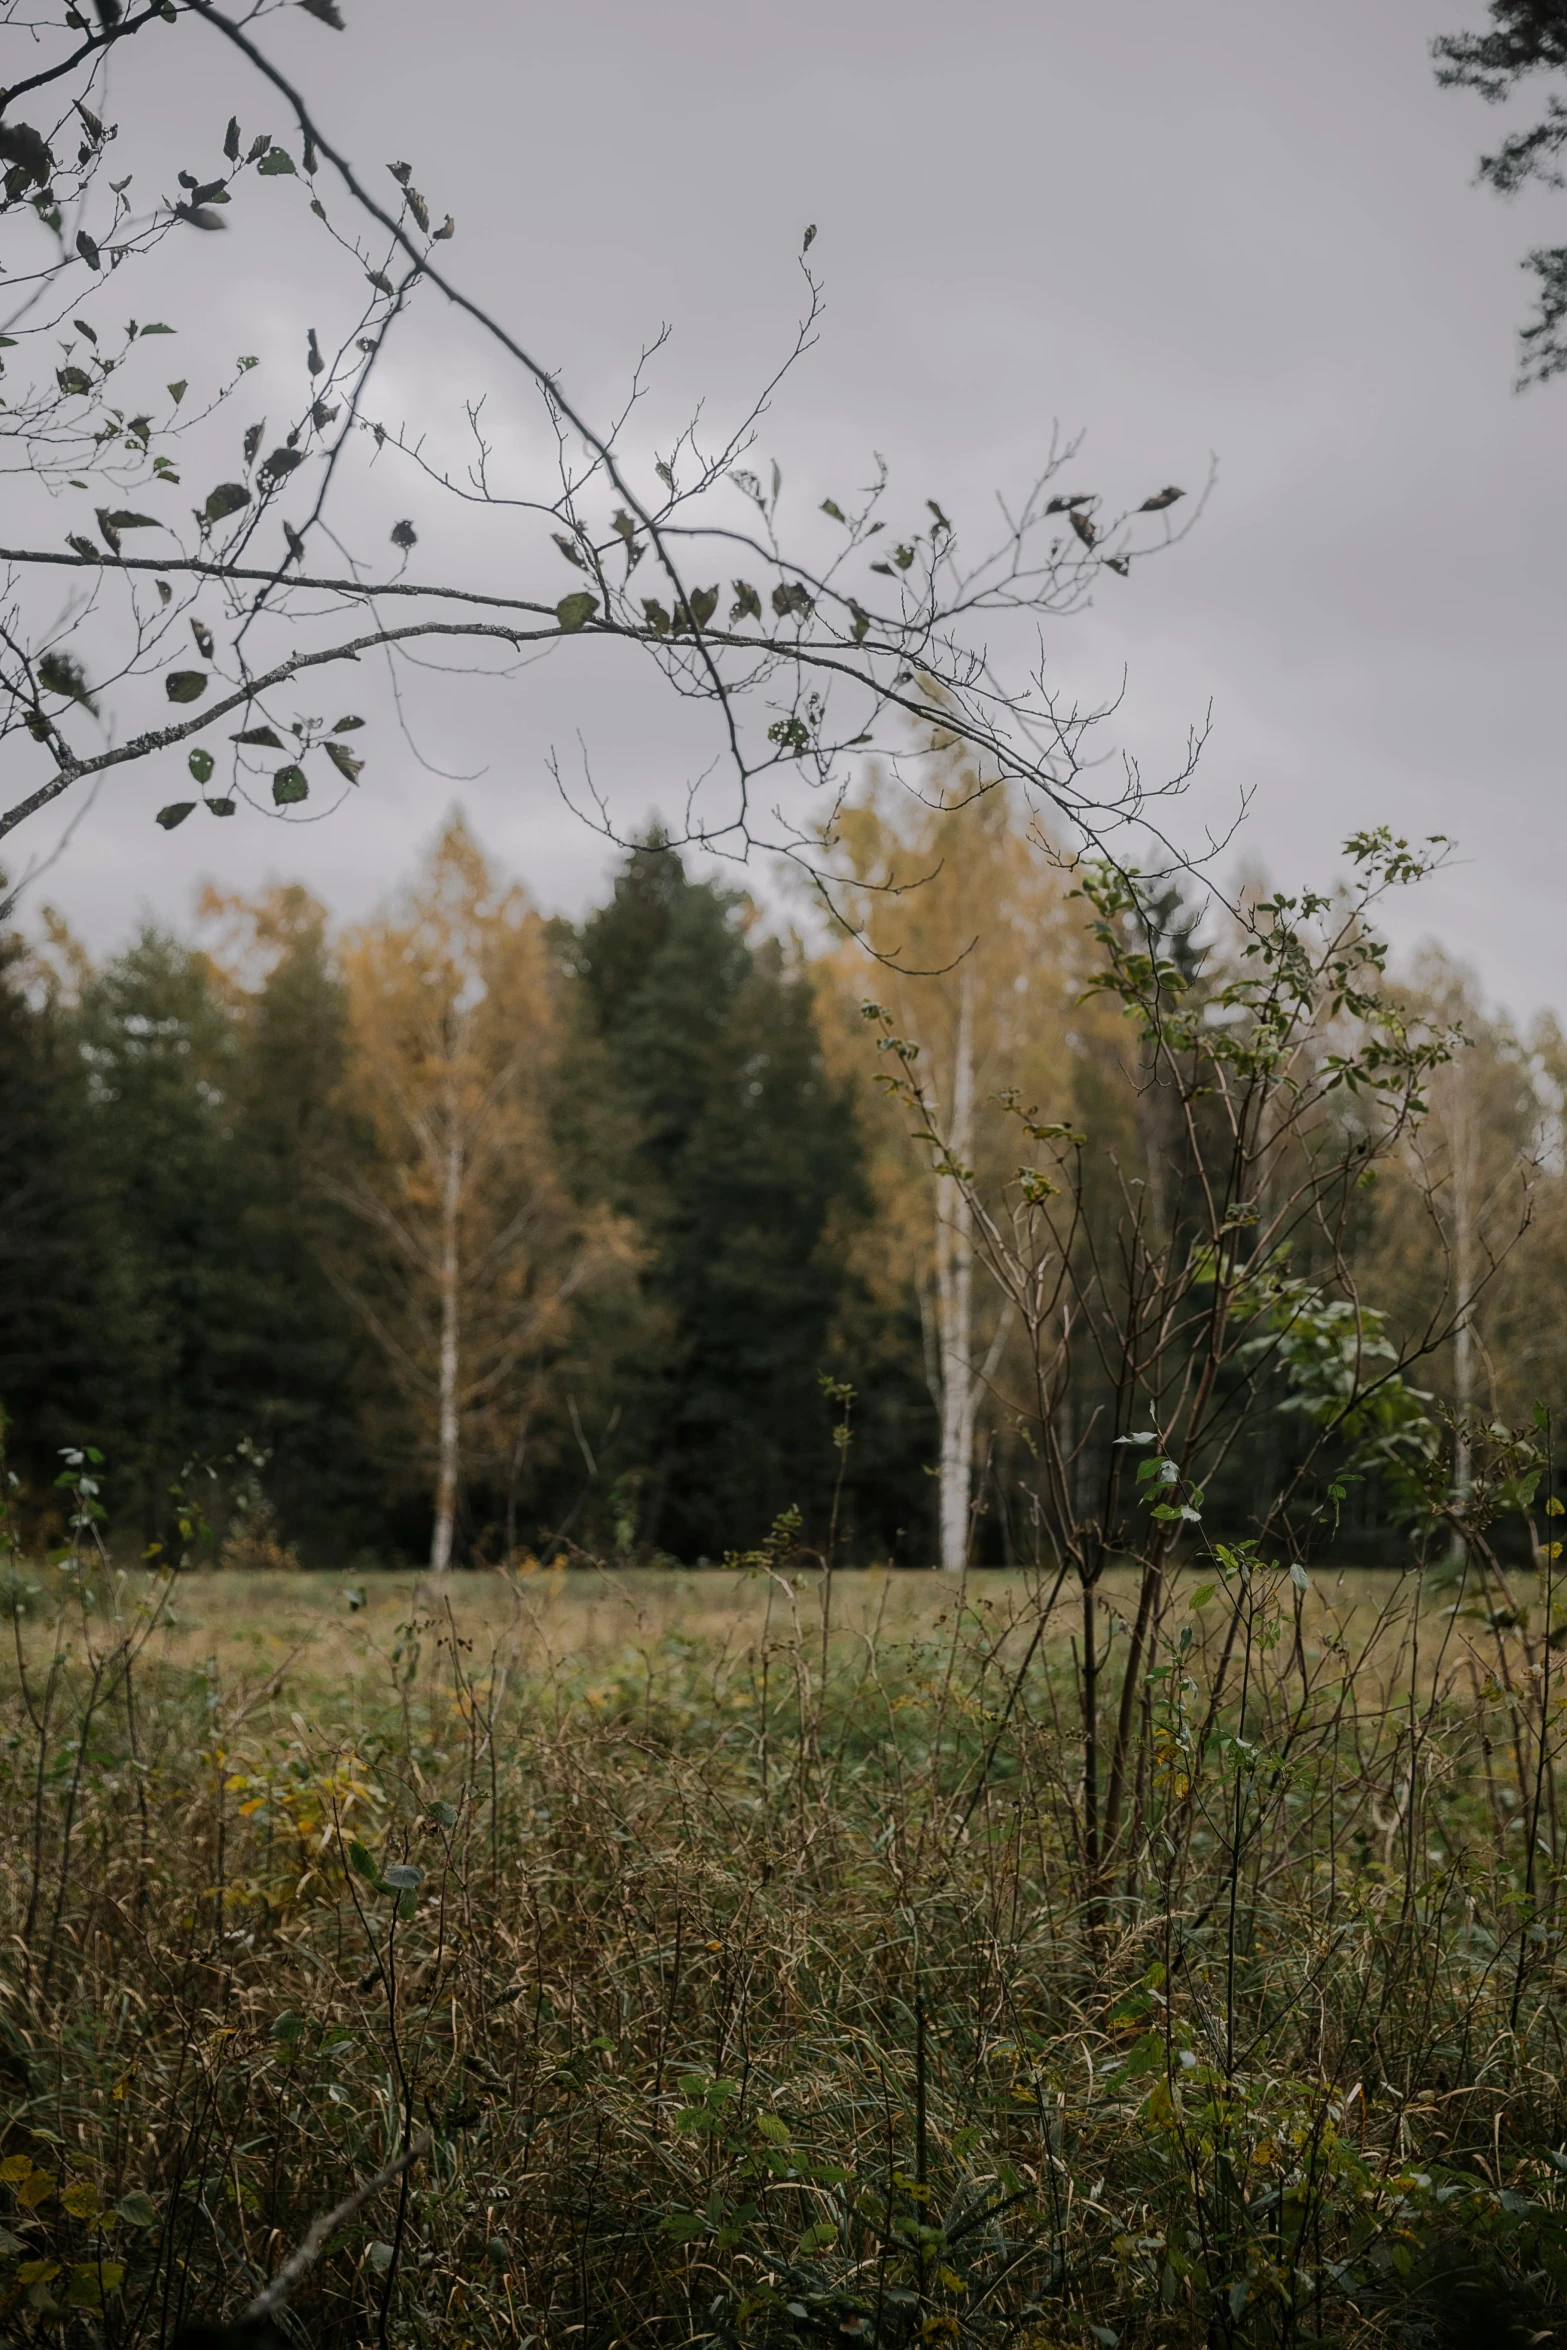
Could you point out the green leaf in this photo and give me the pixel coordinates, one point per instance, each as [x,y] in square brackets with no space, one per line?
[61,673]
[1299,1576]
[220,807]
[226,499]
[200,764]
[121,520]
[792,596]
[260,738]
[683,2227]
[158,328]
[347,725]
[404,1878]
[175,813]
[281,462]
[288,2027]
[575,611]
[344,760]
[288,786]
[277,163]
[91,2280]
[185,685]
[360,1861]
[177,391]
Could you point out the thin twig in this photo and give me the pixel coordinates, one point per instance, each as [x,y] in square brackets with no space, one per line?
[273,2296]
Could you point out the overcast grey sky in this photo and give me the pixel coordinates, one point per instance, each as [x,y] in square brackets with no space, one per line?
[1181,225]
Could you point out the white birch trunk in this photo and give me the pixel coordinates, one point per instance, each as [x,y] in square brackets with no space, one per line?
[955,1300]
[451,1332]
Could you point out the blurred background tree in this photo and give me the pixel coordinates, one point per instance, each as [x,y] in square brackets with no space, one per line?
[484,1234]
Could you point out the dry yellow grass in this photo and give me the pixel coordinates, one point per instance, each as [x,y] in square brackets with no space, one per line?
[330,1632]
[728,1994]
[337,1629]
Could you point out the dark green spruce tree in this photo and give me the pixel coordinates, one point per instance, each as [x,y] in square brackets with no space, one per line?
[159,1045]
[58,1291]
[745,1171]
[297,1355]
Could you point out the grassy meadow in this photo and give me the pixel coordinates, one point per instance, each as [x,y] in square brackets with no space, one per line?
[738,1974]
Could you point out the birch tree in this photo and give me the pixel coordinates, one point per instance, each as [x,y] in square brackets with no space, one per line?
[475,1248]
[1469,1231]
[964,934]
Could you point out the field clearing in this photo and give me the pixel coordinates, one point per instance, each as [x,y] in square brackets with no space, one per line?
[323,1641]
[330,1630]
[742,1987]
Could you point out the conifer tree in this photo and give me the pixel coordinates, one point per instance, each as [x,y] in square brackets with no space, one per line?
[746,1173]
[303,1359]
[56,1286]
[160,1045]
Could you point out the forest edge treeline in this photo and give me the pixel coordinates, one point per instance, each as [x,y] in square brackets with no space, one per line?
[614,1240]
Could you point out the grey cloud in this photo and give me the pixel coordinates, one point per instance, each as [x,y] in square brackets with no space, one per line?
[1229,225]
